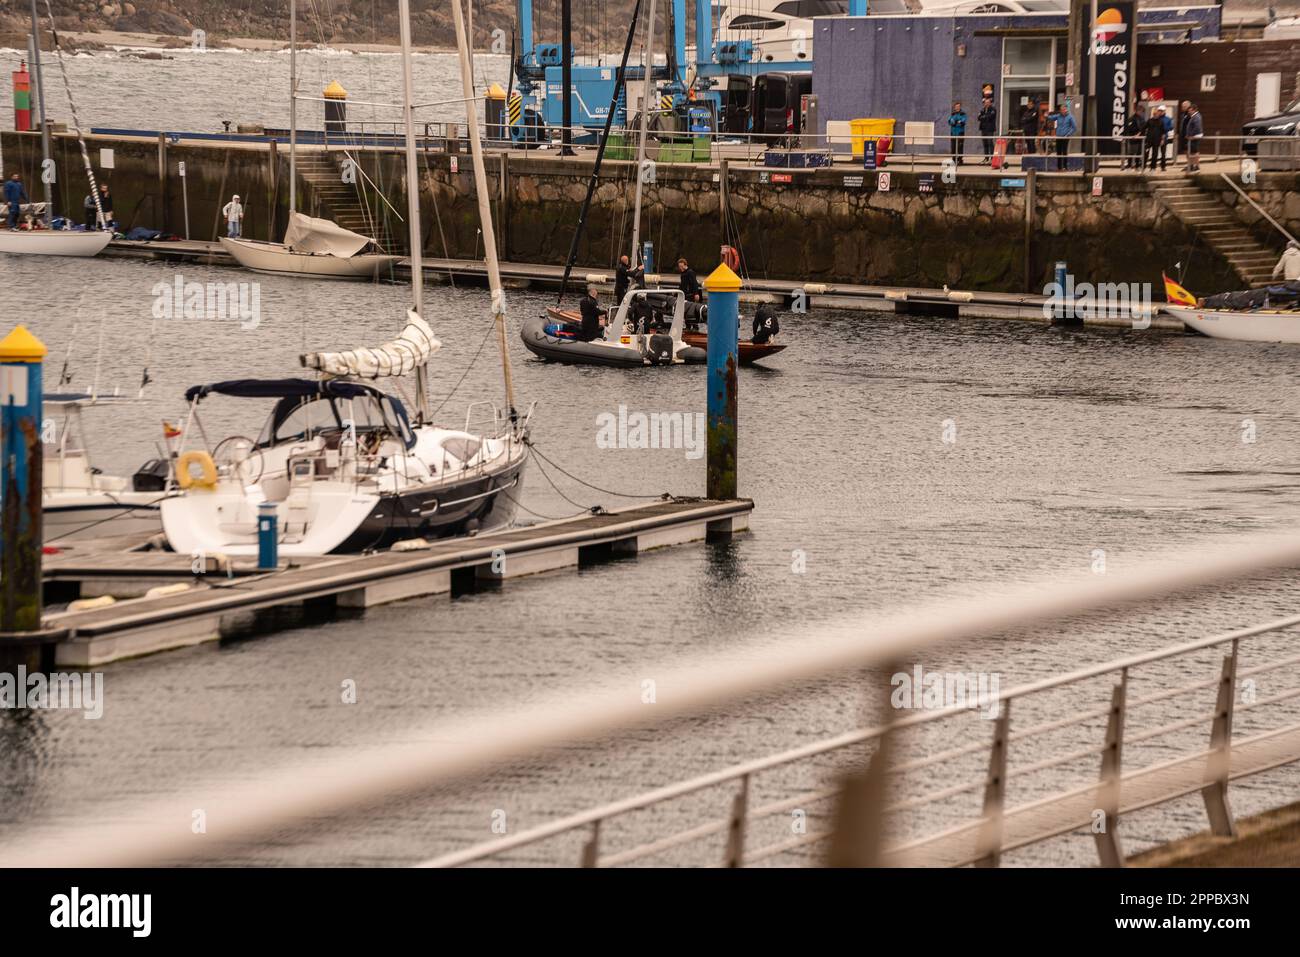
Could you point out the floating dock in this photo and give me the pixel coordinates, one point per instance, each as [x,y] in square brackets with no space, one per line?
[221,600]
[904,300]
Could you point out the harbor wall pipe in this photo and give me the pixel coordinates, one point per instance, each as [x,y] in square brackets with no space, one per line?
[723,286]
[21,529]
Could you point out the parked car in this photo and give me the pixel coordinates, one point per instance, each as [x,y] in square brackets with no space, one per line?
[1286,123]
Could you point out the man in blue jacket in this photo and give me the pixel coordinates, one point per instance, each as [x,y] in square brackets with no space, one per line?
[15,196]
[1065,128]
[1193,131]
[957,130]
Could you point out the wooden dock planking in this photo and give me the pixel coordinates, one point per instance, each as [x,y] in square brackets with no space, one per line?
[147,625]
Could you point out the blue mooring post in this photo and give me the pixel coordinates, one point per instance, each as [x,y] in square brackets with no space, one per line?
[268,537]
[1062,270]
[21,531]
[724,323]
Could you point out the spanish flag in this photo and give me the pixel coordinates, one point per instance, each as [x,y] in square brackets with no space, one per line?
[1177,294]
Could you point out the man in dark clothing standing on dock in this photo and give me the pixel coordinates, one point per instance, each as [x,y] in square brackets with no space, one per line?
[957,131]
[1155,140]
[593,317]
[988,121]
[1029,124]
[15,196]
[1132,133]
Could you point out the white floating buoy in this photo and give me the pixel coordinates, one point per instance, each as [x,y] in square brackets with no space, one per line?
[410,545]
[895,294]
[961,296]
[159,591]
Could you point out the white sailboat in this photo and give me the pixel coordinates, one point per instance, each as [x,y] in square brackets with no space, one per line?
[311,247]
[36,238]
[1255,325]
[342,463]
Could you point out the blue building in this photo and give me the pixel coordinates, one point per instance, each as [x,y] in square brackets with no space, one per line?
[912,68]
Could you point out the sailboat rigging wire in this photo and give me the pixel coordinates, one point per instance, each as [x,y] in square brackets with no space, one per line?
[445,399]
[72,109]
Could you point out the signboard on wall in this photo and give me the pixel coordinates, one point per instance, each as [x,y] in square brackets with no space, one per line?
[1109,42]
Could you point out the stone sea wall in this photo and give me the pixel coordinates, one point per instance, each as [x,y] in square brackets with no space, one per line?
[820,225]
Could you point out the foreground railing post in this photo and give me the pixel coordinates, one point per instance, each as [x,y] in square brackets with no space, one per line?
[995,791]
[1218,767]
[591,849]
[1106,831]
[858,823]
[735,856]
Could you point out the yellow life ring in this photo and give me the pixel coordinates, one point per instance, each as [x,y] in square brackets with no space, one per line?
[185,479]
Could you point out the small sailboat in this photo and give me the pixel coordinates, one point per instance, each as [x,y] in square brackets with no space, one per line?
[312,247]
[35,237]
[345,465]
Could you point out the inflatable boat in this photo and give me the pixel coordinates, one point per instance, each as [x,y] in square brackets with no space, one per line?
[554,337]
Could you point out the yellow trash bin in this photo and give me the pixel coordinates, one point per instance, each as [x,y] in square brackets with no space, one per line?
[862,130]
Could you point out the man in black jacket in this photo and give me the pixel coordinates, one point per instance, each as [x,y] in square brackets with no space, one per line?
[624,276]
[988,121]
[765,324]
[689,283]
[1155,140]
[593,317]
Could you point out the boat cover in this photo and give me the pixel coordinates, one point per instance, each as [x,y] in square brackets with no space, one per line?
[279,389]
[1285,295]
[308,235]
[400,356]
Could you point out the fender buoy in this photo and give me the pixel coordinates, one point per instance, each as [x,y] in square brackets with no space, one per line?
[185,479]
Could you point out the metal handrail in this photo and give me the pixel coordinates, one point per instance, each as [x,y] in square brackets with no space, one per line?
[469,748]
[1258,208]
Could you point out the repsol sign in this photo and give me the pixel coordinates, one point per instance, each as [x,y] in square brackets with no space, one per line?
[1109,43]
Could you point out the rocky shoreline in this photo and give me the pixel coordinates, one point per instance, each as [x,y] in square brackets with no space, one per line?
[114,40]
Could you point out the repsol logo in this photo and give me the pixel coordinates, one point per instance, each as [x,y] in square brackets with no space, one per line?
[1112,49]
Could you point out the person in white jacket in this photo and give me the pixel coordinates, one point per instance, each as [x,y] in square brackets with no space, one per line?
[234,213]
[1288,267]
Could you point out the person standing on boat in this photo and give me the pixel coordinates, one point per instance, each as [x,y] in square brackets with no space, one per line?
[106,205]
[766,325]
[593,317]
[624,275]
[689,283]
[957,131]
[988,121]
[90,215]
[15,196]
[234,213]
[1288,267]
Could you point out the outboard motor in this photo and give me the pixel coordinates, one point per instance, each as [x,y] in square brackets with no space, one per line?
[658,350]
[152,476]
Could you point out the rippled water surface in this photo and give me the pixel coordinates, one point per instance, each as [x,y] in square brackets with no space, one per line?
[1064,446]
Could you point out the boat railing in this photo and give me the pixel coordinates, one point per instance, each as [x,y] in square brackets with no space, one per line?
[1139,731]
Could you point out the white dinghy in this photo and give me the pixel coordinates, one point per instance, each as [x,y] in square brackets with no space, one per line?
[312,247]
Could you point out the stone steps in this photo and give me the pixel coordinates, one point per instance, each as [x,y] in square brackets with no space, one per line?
[323,174]
[1251,260]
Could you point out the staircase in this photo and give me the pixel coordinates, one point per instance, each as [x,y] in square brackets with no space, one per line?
[322,171]
[1222,231]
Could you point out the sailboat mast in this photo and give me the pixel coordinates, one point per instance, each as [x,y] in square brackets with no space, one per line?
[484,207]
[40,106]
[293,106]
[647,93]
[413,196]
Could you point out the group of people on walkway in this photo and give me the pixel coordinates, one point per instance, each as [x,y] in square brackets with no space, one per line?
[1146,136]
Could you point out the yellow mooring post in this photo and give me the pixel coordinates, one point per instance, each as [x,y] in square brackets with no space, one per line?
[21,532]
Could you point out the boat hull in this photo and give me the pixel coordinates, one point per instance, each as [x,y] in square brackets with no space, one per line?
[576,352]
[750,352]
[1254,326]
[53,242]
[276,258]
[69,517]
